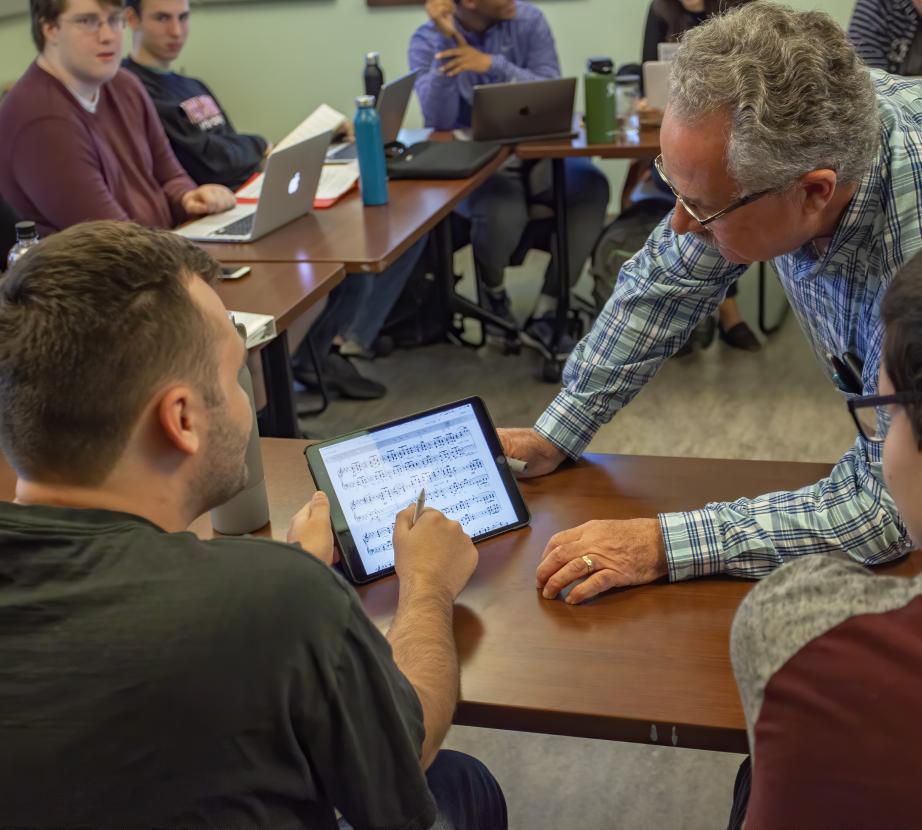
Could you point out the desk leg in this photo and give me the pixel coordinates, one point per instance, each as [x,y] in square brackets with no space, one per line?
[445,272]
[552,366]
[282,419]
[449,301]
[763,285]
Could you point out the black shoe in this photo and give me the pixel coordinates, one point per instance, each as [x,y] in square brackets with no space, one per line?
[342,377]
[497,303]
[382,347]
[740,336]
[539,332]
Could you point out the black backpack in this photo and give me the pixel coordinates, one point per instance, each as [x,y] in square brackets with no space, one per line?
[619,241]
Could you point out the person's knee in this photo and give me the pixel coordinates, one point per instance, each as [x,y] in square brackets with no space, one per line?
[467,794]
[587,185]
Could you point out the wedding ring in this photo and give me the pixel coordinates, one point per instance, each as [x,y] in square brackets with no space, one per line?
[589,563]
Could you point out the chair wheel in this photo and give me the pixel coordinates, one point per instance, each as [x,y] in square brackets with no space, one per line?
[551,370]
[512,346]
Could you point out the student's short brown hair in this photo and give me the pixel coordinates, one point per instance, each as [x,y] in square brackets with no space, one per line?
[93,321]
[901,312]
[48,11]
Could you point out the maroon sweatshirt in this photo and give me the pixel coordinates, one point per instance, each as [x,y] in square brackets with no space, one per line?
[60,165]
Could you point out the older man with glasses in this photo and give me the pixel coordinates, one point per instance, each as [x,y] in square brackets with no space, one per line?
[81,139]
[779,145]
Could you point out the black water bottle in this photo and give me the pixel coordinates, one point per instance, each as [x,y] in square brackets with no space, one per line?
[373,74]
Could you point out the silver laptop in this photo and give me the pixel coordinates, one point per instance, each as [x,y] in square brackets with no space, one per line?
[289,186]
[392,107]
[523,111]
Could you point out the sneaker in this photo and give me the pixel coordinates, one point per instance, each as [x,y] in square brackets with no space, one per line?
[382,347]
[340,376]
[497,303]
[539,332]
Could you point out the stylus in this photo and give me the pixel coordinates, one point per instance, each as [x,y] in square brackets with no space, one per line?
[517,465]
[420,506]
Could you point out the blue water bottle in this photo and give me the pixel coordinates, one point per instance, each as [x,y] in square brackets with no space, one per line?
[370,145]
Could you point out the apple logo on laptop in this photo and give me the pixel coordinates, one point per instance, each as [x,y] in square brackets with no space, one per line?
[525,111]
[294,184]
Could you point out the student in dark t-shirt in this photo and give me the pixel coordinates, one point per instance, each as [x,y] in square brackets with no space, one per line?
[154,679]
[200,131]
[828,655]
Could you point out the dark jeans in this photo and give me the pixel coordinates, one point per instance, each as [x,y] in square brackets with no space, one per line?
[498,212]
[359,305]
[466,793]
[741,790]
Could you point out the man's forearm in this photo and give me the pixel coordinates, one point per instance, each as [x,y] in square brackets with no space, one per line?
[423,643]
[850,511]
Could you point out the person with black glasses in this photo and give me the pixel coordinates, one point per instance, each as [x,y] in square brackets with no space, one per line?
[827,654]
[781,145]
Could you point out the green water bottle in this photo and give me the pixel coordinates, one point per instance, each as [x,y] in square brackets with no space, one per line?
[601,123]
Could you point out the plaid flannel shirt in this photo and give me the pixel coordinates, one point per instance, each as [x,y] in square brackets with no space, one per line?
[675,281]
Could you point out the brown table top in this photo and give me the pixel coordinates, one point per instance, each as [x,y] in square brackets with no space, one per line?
[645,146]
[364,239]
[283,289]
[614,668]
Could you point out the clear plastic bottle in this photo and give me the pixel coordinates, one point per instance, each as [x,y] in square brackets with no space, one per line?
[26,237]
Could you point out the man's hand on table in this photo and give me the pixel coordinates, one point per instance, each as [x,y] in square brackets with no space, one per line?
[527,445]
[623,552]
[434,555]
[311,529]
[209,198]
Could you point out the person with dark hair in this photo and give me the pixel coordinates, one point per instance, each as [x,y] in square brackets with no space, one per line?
[887,35]
[81,139]
[151,678]
[474,42]
[199,129]
[827,654]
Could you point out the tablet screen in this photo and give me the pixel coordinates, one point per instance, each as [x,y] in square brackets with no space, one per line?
[377,474]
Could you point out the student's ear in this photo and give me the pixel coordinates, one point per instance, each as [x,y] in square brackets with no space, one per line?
[49,31]
[818,187]
[132,19]
[181,416]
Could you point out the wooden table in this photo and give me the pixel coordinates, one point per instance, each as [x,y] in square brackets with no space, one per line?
[644,144]
[364,239]
[285,291]
[647,664]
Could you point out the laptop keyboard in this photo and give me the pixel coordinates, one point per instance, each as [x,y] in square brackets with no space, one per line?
[242,227]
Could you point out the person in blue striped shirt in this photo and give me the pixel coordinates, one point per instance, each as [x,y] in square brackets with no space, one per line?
[780,145]
[887,35]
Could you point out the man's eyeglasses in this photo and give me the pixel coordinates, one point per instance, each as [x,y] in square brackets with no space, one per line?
[872,413]
[92,23]
[694,213]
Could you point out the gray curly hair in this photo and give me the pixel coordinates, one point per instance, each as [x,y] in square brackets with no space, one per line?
[798,96]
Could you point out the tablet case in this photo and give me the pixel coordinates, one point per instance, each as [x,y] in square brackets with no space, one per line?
[442,159]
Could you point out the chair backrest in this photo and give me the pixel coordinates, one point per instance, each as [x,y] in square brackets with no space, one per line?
[8,221]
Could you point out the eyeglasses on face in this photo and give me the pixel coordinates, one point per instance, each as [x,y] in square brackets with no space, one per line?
[694,212]
[872,413]
[91,24]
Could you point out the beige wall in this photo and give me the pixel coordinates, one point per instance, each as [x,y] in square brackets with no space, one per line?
[270,63]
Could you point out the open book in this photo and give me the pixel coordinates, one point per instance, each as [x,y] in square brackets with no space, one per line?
[336,179]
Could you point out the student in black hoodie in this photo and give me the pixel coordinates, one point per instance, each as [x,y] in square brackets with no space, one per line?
[200,131]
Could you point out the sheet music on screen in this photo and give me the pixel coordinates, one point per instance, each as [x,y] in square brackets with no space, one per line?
[377,475]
